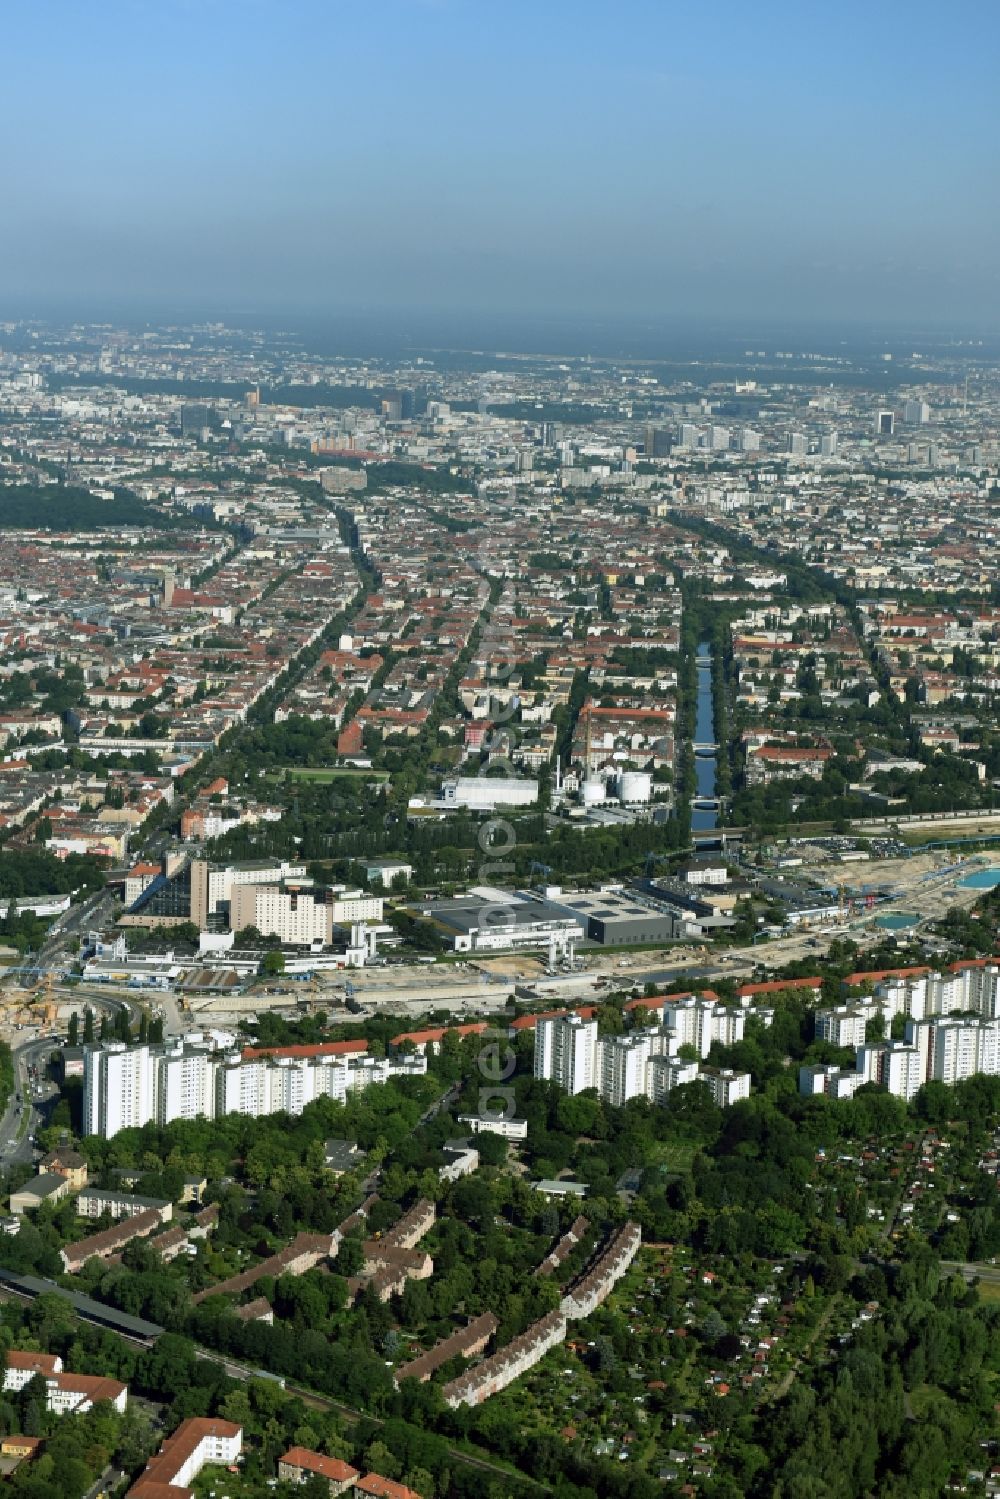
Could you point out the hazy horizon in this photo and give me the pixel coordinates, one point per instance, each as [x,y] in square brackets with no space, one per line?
[632,170]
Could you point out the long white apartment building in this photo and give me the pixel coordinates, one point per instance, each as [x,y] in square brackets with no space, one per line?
[952,1048]
[640,1064]
[129,1086]
[893,1065]
[968,986]
[940,1048]
[65,1393]
[300,913]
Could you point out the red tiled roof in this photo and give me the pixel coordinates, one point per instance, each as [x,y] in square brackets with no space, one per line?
[878,974]
[528,1022]
[315,1049]
[157,1480]
[40,1363]
[436,1033]
[775,986]
[317,1462]
[383,1488]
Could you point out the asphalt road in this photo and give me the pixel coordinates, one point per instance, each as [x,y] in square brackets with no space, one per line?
[15,1148]
[989,1274]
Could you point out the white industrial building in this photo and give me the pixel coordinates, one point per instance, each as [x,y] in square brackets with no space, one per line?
[495,1124]
[486,793]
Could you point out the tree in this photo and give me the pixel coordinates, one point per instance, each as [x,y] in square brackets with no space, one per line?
[273,962]
[73,1032]
[350,1256]
[380,1460]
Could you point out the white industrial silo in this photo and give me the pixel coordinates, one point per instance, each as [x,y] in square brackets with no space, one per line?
[635,786]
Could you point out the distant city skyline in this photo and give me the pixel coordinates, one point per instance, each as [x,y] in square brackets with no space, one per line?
[453,163]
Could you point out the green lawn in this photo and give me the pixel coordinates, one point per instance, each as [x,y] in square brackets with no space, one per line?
[673,1155]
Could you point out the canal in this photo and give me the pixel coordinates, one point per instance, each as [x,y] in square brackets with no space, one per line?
[703,819]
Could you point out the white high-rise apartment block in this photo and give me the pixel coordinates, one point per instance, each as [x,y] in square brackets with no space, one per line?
[829,1080]
[566,1052]
[916,413]
[185,1085]
[640,1064]
[623,1061]
[665,1073]
[956,1047]
[845,1025]
[893,1065]
[212,884]
[955,1051]
[902,1070]
[697,1022]
[118,1089]
[726,1086]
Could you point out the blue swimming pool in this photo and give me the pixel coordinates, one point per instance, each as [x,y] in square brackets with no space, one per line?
[981,879]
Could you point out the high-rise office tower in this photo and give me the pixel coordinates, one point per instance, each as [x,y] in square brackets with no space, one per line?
[195,420]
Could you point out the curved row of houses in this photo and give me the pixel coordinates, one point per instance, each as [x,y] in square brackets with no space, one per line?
[583,1296]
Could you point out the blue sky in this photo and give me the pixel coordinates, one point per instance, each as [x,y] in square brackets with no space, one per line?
[808,162]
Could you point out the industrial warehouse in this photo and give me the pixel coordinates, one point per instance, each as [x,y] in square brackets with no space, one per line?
[498,920]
